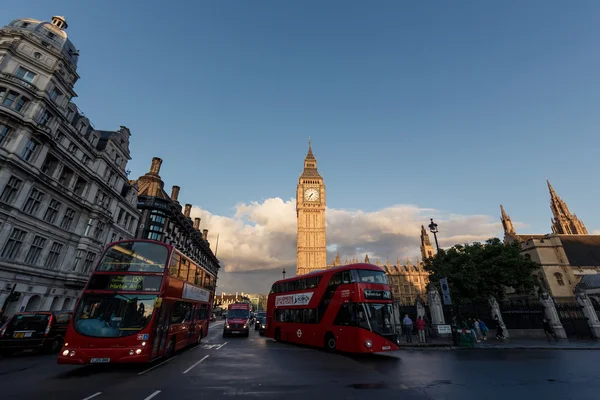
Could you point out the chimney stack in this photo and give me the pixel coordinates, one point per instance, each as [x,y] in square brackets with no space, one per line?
[187,210]
[197,223]
[205,234]
[175,193]
[155,167]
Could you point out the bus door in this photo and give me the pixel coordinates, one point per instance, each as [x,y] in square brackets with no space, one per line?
[193,321]
[161,330]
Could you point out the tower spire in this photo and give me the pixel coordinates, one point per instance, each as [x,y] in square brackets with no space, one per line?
[564,223]
[426,247]
[506,222]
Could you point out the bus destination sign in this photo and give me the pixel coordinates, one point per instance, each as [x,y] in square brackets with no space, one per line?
[377,294]
[136,283]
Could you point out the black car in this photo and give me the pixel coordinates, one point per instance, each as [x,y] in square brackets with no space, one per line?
[42,330]
[263,326]
[259,320]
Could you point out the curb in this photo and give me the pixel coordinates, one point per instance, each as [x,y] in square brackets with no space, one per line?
[535,348]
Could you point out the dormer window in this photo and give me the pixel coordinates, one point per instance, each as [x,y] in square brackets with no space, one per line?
[55,94]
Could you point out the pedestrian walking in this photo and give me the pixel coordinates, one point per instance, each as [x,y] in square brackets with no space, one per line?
[499,330]
[549,331]
[477,329]
[484,329]
[408,326]
[421,329]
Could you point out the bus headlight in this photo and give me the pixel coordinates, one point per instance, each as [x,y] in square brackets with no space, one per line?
[138,351]
[66,353]
[398,340]
[368,343]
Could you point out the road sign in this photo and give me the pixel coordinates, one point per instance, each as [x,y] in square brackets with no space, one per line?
[445,292]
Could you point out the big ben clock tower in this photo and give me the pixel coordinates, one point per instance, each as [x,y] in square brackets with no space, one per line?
[310,211]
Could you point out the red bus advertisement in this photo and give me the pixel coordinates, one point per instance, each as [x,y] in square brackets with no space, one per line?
[347,309]
[237,320]
[144,300]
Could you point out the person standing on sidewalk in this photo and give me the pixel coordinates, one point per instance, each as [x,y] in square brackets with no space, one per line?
[499,330]
[421,329]
[408,326]
[549,331]
[484,329]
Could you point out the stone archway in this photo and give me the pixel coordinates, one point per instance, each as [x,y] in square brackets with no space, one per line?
[34,303]
[66,305]
[54,306]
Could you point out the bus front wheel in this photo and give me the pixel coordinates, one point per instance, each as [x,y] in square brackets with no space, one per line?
[330,343]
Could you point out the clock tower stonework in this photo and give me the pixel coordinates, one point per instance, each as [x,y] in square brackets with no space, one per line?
[310,211]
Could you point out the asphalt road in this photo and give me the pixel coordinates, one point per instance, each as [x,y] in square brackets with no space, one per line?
[258,368]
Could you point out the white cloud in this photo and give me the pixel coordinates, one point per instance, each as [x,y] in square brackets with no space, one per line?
[260,239]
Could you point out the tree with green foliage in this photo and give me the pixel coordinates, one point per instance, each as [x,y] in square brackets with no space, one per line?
[477,271]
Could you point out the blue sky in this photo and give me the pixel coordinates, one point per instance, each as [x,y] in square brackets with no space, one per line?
[457,106]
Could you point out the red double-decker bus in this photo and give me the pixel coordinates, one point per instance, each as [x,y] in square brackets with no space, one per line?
[144,300]
[348,309]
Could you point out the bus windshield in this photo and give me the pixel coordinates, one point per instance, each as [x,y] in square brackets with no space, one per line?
[134,257]
[238,313]
[113,315]
[369,276]
[376,318]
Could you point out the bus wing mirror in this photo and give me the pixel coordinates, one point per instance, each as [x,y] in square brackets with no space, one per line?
[158,302]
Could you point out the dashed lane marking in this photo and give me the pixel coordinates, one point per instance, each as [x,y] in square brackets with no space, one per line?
[222,345]
[196,363]
[92,396]
[152,395]
[156,366]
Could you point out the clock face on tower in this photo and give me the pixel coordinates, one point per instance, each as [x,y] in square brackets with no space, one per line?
[311,194]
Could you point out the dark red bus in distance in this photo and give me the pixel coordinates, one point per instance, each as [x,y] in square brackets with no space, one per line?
[347,309]
[144,300]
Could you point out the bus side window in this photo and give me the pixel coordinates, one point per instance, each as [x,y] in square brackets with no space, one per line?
[184,267]
[346,315]
[203,310]
[181,310]
[199,276]
[346,278]
[336,279]
[174,267]
[192,275]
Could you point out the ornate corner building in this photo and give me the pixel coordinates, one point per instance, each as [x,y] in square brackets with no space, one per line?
[64,191]
[310,213]
[162,219]
[569,256]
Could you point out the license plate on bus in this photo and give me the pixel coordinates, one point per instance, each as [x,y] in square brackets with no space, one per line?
[385,348]
[100,360]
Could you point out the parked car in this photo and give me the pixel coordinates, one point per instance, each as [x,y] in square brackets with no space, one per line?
[41,330]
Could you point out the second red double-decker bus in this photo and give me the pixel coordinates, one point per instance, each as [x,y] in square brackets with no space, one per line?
[144,300]
[348,309]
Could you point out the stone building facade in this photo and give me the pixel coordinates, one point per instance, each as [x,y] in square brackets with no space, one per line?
[566,256]
[64,191]
[162,219]
[310,212]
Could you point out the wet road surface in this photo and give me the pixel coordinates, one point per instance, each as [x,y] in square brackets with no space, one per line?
[258,368]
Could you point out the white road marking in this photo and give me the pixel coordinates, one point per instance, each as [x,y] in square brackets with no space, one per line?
[219,348]
[196,363]
[92,396]
[156,366]
[152,395]
[216,325]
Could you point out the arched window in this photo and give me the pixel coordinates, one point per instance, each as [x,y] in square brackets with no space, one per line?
[559,279]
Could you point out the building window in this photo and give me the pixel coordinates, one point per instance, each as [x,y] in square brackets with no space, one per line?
[559,279]
[78,256]
[80,185]
[52,211]
[53,256]
[14,243]
[89,261]
[68,219]
[29,150]
[45,117]
[21,103]
[55,94]
[65,176]
[72,148]
[35,251]
[3,134]
[85,160]
[88,228]
[99,230]
[25,74]
[32,205]
[49,165]
[10,99]
[11,190]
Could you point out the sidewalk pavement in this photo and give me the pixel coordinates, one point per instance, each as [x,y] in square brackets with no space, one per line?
[507,344]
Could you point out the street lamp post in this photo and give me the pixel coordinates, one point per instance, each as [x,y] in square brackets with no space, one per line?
[433,227]
[283,272]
